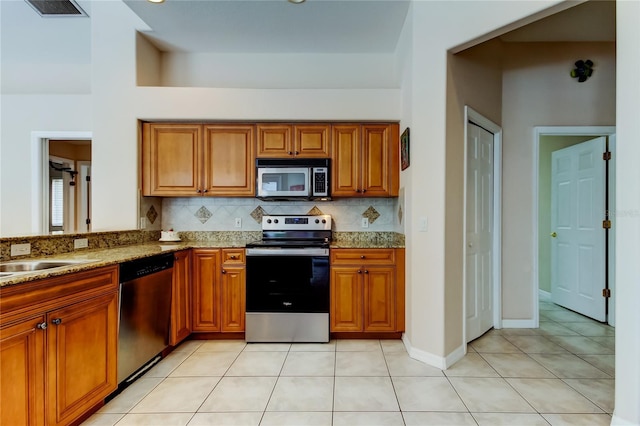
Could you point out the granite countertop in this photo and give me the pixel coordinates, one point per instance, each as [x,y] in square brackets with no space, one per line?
[96,258]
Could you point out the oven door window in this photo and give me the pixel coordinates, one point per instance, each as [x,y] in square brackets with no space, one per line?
[287,284]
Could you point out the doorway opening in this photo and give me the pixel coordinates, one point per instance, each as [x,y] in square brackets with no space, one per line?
[62,184]
[553,278]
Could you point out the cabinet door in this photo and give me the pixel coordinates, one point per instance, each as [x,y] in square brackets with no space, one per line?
[82,344]
[379,299]
[311,140]
[345,161]
[346,299]
[171,159]
[22,371]
[229,158]
[233,298]
[206,290]
[181,298]
[380,170]
[274,141]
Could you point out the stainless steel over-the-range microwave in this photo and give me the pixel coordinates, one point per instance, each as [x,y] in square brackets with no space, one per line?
[293,179]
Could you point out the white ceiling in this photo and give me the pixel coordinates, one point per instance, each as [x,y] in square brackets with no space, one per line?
[274,26]
[329,26]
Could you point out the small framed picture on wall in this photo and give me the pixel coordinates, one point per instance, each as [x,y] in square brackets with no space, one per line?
[404,149]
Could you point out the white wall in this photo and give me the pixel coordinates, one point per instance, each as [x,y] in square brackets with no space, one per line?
[21,115]
[538,91]
[627,409]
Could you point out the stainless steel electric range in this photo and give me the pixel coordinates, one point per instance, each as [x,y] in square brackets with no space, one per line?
[288,280]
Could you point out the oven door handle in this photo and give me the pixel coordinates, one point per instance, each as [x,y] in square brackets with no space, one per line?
[278,251]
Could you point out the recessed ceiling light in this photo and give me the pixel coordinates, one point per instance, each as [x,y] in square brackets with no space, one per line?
[155,1]
[296,1]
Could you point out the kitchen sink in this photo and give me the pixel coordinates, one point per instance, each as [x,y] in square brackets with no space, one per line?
[35,265]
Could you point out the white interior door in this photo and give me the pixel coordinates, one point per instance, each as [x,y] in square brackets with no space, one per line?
[578,238]
[479,232]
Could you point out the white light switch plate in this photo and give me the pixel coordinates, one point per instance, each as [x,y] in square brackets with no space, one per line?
[20,249]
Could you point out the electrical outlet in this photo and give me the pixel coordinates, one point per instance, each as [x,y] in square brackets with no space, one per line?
[238,222]
[365,222]
[79,243]
[20,249]
[143,222]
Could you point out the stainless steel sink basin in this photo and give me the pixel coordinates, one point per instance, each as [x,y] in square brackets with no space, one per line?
[35,265]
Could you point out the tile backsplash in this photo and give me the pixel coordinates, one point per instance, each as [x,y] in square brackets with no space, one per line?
[219,214]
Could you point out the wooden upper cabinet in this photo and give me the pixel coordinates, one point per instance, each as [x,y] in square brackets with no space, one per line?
[171,159]
[276,140]
[195,159]
[365,160]
[312,140]
[229,155]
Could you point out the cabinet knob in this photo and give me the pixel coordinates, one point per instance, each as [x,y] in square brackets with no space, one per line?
[198,191]
[364,190]
[366,272]
[359,271]
[290,152]
[223,271]
[42,326]
[205,190]
[297,152]
[56,321]
[363,257]
[358,191]
[233,256]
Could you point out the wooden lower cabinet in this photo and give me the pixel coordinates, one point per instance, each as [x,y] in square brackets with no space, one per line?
[81,357]
[22,371]
[367,290]
[181,298]
[218,290]
[58,346]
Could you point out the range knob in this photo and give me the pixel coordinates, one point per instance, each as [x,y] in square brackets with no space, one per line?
[268,220]
[275,220]
[324,220]
[317,220]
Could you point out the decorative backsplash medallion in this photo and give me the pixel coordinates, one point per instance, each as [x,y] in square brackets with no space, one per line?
[203,214]
[371,214]
[257,214]
[152,214]
[315,211]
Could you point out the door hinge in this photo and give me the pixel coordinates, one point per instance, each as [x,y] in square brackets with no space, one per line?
[606,292]
[606,224]
[606,155]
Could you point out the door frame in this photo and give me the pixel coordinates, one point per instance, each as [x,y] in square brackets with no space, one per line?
[470,115]
[40,172]
[595,131]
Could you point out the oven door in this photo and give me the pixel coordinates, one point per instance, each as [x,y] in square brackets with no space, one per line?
[288,280]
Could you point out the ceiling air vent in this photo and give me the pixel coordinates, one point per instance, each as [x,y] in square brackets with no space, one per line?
[56,8]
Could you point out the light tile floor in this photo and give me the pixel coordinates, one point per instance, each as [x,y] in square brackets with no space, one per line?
[559,374]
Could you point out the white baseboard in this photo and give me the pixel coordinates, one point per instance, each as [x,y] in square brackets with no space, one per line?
[544,296]
[434,360]
[525,323]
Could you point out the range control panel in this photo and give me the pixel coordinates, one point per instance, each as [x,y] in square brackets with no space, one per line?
[300,223]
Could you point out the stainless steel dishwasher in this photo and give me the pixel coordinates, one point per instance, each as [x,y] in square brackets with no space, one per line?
[145,311]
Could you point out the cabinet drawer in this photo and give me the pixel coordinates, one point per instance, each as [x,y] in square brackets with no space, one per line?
[233,256]
[362,256]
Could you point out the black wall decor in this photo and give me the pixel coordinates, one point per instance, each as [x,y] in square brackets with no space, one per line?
[583,70]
